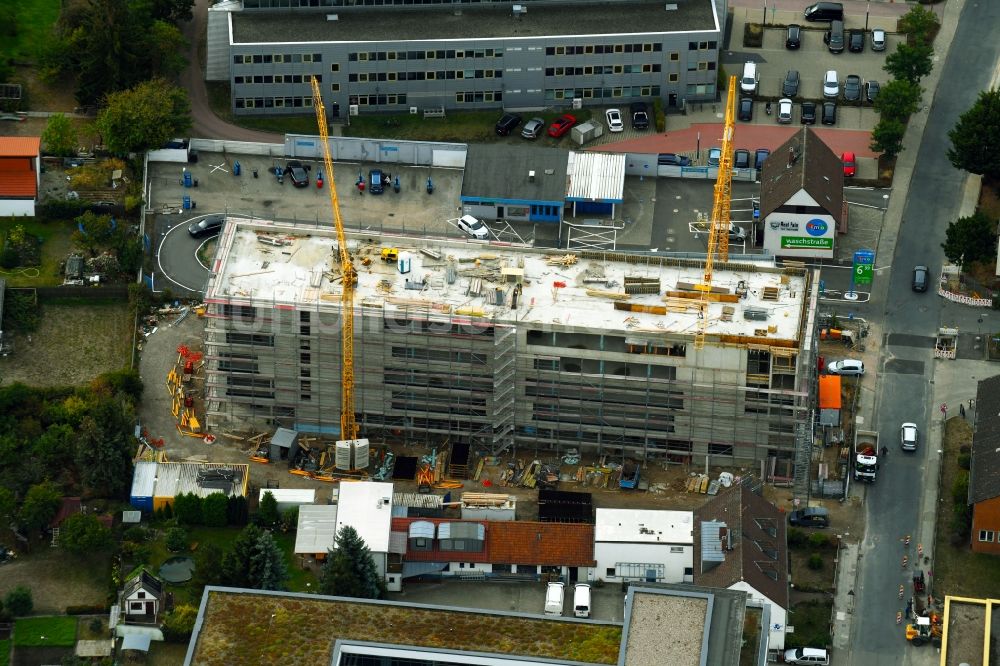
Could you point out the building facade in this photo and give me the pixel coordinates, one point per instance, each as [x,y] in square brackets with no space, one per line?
[402,55]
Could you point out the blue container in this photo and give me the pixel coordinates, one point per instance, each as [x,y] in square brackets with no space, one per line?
[186,202]
[188,180]
[236,168]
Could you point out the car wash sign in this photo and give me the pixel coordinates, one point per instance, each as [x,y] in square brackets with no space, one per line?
[799,235]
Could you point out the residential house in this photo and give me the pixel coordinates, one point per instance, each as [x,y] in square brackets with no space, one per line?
[652,546]
[142,598]
[984,469]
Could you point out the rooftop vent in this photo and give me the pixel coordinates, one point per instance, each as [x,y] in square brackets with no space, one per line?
[531,176]
[332,17]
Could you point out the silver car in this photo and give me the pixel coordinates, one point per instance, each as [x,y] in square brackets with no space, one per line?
[785,111]
[533,128]
[878,40]
[831,84]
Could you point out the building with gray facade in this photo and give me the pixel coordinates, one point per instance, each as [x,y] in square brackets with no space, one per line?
[400,55]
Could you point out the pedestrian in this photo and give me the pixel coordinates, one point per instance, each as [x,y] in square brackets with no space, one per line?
[971,402]
[361,187]
[961,409]
[885,450]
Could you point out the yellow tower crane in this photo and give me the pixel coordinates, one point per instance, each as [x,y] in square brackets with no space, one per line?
[348,277]
[718,232]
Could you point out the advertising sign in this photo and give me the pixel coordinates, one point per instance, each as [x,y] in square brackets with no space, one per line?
[799,235]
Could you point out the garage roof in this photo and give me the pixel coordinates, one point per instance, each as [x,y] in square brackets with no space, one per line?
[20,146]
[596,177]
[503,172]
[803,162]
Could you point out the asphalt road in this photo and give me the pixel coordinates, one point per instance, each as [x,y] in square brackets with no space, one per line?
[911,320]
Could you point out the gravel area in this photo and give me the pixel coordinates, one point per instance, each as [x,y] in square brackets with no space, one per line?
[686,617]
[966,631]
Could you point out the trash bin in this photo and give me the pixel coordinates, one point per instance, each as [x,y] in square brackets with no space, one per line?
[186,202]
[236,168]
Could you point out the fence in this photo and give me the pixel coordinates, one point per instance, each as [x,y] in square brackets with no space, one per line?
[97,293]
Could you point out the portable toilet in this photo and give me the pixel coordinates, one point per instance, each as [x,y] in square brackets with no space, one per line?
[404,262]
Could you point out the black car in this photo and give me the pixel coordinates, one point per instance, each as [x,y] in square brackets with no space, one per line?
[829,113]
[669,159]
[920,278]
[376,181]
[808,113]
[793,37]
[741,159]
[852,88]
[746,108]
[298,173]
[640,115]
[856,41]
[507,123]
[872,89]
[790,88]
[207,226]
[810,517]
[759,156]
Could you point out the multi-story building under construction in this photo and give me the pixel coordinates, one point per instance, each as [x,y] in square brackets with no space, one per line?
[508,348]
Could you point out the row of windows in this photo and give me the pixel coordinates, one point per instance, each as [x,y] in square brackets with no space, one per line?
[702,46]
[376,100]
[603,69]
[280,4]
[602,93]
[479,96]
[701,89]
[267,58]
[589,49]
[440,75]
[277,78]
[441,54]
[273,102]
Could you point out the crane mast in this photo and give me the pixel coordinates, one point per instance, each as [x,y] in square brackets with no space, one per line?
[348,276]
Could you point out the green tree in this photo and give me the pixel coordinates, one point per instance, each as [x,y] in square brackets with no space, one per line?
[109,49]
[267,512]
[887,136]
[92,232]
[179,623]
[213,510]
[105,444]
[176,539]
[910,61]
[167,47]
[975,138]
[19,601]
[144,117]
[236,561]
[188,509]
[267,564]
[83,533]
[898,99]
[290,519]
[919,24]
[970,239]
[349,570]
[172,10]
[40,506]
[208,565]
[59,136]
[8,505]
[237,513]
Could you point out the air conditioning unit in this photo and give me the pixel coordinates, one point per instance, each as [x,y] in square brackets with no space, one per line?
[577,103]
[353,110]
[413,110]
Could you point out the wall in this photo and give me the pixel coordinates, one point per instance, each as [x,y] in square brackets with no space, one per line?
[17,208]
[238,147]
[986,516]
[778,615]
[380,151]
[608,554]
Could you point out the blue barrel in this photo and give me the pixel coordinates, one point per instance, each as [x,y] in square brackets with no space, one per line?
[187,202]
[188,180]
[236,168]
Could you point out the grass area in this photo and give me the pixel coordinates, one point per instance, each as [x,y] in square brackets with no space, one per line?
[245,628]
[35,19]
[957,570]
[219,99]
[4,653]
[297,577]
[165,654]
[86,633]
[462,127]
[206,252]
[56,631]
[57,242]
[811,620]
[989,198]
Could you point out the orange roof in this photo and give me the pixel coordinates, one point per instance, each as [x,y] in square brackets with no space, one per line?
[545,544]
[829,392]
[20,146]
[17,184]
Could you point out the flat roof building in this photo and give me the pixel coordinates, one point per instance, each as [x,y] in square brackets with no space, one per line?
[156,484]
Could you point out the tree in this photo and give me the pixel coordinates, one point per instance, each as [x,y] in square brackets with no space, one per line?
[208,565]
[172,10]
[188,509]
[267,564]
[887,136]
[8,505]
[267,512]
[40,506]
[19,602]
[176,540]
[919,23]
[898,99]
[236,512]
[975,139]
[109,48]
[970,239]
[105,444]
[236,561]
[144,117]
[213,510]
[167,47]
[290,519]
[83,533]
[910,61]
[59,136]
[349,570]
[179,623]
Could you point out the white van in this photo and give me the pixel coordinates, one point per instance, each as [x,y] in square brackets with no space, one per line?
[813,656]
[748,82]
[554,599]
[473,227]
[581,600]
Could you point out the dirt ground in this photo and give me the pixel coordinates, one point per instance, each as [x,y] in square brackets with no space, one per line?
[57,579]
[73,344]
[966,630]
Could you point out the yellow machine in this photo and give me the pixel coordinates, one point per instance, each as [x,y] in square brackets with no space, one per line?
[926,630]
[348,278]
[390,254]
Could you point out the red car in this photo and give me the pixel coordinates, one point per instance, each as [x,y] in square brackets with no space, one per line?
[850,164]
[561,125]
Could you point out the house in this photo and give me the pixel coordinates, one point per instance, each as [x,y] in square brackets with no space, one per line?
[653,546]
[740,544]
[20,174]
[802,198]
[984,469]
[142,598]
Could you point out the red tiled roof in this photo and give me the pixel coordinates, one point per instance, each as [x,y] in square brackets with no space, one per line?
[69,506]
[544,544]
[17,179]
[20,146]
[436,555]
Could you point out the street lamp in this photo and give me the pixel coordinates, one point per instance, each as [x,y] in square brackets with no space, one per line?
[885,206]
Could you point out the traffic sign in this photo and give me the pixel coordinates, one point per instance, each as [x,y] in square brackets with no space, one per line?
[864,263]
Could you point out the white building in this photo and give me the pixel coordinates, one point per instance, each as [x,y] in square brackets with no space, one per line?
[367,507]
[644,545]
[288,498]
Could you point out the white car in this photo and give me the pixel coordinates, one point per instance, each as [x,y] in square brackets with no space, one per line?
[473,227]
[615,122]
[831,85]
[784,111]
[878,40]
[848,366]
[908,436]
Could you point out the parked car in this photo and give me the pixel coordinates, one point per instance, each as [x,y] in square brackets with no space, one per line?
[746,109]
[856,41]
[813,516]
[759,156]
[824,11]
[852,88]
[507,123]
[829,113]
[834,37]
[640,115]
[670,159]
[872,89]
[207,226]
[741,159]
[808,656]
[473,227]
[561,125]
[614,118]
[533,128]
[793,36]
[790,87]
[878,40]
[297,173]
[376,181]
[920,278]
[850,164]
[831,84]
[908,436]
[847,366]
[808,116]
[714,155]
[784,111]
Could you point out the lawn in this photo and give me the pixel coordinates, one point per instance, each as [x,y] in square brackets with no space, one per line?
[811,620]
[34,24]
[462,127]
[56,631]
[4,653]
[57,243]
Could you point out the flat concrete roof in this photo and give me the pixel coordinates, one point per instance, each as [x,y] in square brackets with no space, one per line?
[585,290]
[317,528]
[367,507]
[511,172]
[389,24]
[644,526]
[666,629]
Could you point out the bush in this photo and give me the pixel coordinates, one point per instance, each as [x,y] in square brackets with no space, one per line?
[179,623]
[960,490]
[177,539]
[753,35]
[95,625]
[965,460]
[87,609]
[815,562]
[136,533]
[659,117]
[797,538]
[19,601]
[290,519]
[9,258]
[819,540]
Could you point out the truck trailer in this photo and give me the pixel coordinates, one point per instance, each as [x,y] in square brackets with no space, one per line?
[865,455]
